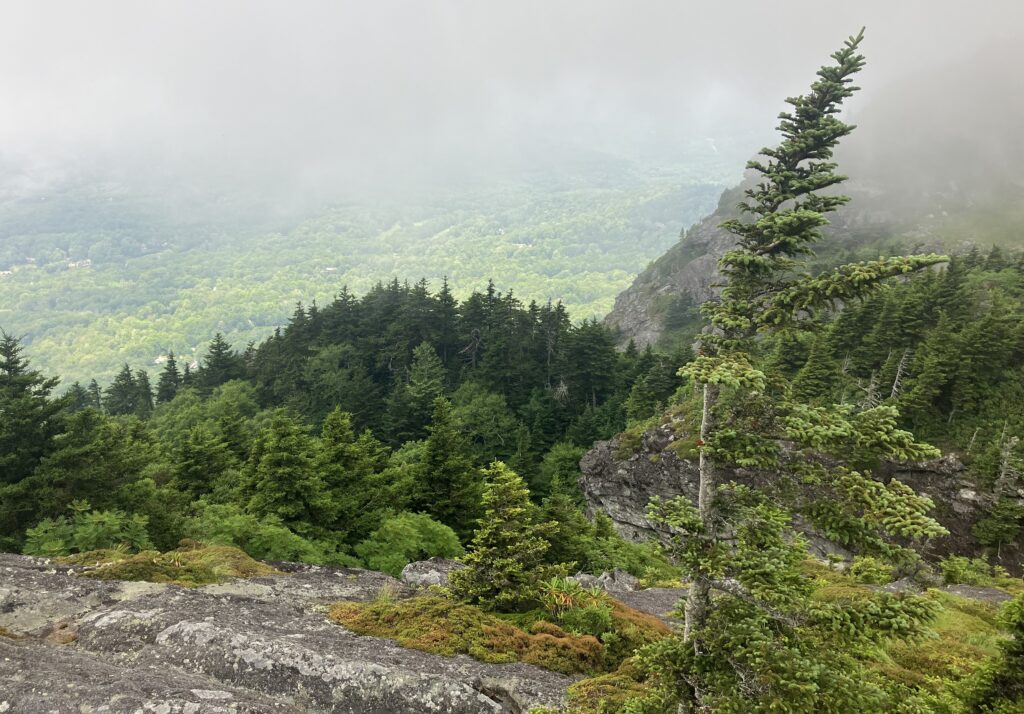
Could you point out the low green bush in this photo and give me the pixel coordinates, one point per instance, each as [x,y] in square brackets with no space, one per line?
[958,570]
[405,538]
[871,571]
[87,530]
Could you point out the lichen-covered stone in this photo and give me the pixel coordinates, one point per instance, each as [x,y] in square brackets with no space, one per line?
[261,645]
[425,573]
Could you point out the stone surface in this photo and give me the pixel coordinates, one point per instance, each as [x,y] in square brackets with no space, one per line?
[425,573]
[976,592]
[261,645]
[660,602]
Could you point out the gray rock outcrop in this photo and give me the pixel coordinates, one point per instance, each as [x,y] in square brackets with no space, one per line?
[425,573]
[622,485]
[71,644]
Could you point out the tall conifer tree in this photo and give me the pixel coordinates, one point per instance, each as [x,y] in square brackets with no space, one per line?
[753,651]
[169,381]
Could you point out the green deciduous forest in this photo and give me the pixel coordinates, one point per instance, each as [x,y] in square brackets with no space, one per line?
[92,278]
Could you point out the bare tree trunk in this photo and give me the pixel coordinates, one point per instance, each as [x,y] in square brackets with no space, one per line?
[699,599]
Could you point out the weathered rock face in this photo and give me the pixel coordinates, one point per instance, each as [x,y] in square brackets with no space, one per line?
[623,488]
[71,644]
[689,269]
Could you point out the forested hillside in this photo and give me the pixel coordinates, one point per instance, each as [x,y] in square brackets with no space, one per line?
[95,274]
[354,415]
[381,455]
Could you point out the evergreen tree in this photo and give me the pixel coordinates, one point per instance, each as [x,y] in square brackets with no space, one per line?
[505,561]
[410,404]
[336,377]
[817,379]
[928,391]
[122,396]
[281,480]
[78,398]
[188,377]
[169,382]
[220,364]
[348,466]
[448,483]
[95,395]
[96,459]
[30,423]
[738,542]
[144,398]
[201,462]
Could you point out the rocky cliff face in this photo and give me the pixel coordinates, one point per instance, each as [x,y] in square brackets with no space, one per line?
[70,644]
[622,486]
[875,221]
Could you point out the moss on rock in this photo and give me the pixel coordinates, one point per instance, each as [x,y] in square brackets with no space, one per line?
[191,565]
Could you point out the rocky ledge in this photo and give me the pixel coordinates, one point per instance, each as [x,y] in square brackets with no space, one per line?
[623,484]
[72,644]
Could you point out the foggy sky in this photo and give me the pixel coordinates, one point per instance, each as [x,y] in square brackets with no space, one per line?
[381,90]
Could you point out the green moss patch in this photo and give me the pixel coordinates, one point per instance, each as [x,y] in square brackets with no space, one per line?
[965,635]
[189,566]
[444,627]
[608,693]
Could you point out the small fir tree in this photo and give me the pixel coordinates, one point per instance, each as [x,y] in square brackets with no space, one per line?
[122,396]
[220,364]
[29,417]
[448,482]
[281,479]
[144,395]
[505,562]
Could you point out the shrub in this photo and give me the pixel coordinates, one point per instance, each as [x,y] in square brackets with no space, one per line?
[505,564]
[958,570]
[999,686]
[87,530]
[263,538]
[608,693]
[619,627]
[405,538]
[872,571]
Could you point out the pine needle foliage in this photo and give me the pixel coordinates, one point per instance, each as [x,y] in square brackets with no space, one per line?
[505,563]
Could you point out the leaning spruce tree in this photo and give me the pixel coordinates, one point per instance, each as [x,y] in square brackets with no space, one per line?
[757,637]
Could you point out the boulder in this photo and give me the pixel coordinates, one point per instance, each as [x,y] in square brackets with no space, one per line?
[617,581]
[424,573]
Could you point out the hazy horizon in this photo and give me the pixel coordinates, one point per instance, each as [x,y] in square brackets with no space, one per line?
[339,97]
